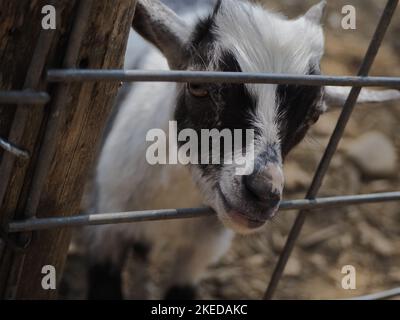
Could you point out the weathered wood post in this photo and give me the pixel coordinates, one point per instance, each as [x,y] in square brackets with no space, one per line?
[61,136]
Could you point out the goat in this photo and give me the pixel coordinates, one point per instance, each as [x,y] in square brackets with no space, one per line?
[237,36]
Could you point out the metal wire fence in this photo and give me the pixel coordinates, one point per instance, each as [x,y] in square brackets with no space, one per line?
[27,97]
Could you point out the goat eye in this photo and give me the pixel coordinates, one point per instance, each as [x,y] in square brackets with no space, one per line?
[197,90]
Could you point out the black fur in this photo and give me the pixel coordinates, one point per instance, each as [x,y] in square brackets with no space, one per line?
[203,32]
[104,282]
[141,251]
[228,106]
[299,107]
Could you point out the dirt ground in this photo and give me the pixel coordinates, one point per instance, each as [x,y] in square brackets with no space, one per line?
[367,236]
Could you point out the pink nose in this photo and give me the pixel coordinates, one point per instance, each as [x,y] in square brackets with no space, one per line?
[266,184]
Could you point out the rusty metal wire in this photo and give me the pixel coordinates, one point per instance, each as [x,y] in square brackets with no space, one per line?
[152,215]
[23,97]
[16,151]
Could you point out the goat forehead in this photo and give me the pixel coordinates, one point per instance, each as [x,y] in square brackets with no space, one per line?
[261,41]
[266,42]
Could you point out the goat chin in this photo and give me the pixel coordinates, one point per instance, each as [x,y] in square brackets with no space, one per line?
[238,227]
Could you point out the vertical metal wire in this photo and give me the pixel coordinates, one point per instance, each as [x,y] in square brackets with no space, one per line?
[348,107]
[32,80]
[21,116]
[56,115]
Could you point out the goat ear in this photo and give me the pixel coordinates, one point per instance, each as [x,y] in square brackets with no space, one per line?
[162,27]
[316,13]
[336,96]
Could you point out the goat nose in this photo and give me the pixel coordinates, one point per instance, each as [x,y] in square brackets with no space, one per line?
[266,185]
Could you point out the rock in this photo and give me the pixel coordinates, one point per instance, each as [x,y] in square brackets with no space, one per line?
[345,178]
[374,154]
[380,186]
[319,261]
[320,236]
[293,267]
[255,260]
[278,241]
[395,274]
[327,123]
[376,240]
[295,177]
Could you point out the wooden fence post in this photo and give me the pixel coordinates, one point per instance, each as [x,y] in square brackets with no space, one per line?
[26,50]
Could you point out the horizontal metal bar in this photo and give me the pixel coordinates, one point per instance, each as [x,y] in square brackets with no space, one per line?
[169,214]
[23,97]
[380,295]
[74,75]
[4,144]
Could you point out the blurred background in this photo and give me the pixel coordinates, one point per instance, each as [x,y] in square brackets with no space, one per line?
[367,237]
